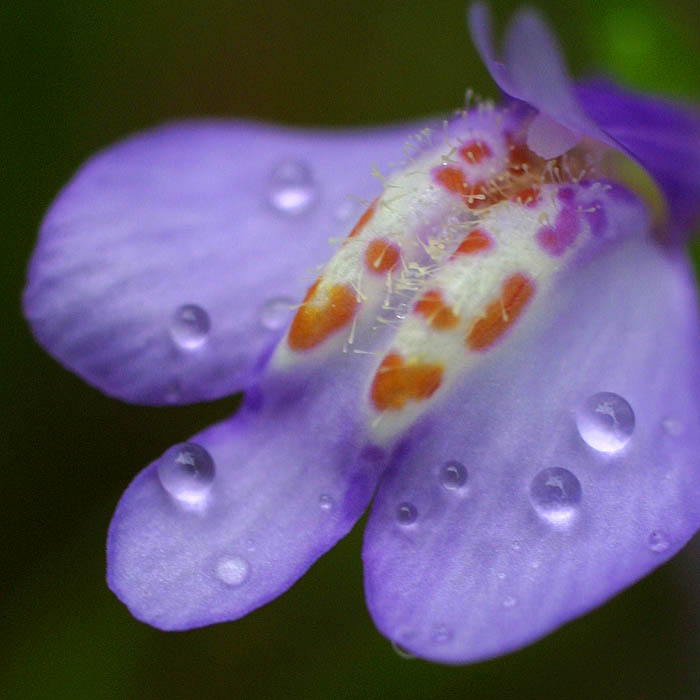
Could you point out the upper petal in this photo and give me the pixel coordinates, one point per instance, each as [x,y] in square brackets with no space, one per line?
[536,525]
[169,263]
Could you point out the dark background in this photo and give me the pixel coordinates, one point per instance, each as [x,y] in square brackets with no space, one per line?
[80,74]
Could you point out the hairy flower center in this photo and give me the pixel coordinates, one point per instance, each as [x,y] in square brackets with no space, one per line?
[449,261]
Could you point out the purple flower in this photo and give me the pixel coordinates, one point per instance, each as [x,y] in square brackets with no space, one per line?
[501,353]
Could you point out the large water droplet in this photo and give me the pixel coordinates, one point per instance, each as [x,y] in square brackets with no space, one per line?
[406,513]
[233,571]
[190,326]
[605,421]
[453,475]
[555,494]
[292,189]
[186,471]
[275,313]
[658,541]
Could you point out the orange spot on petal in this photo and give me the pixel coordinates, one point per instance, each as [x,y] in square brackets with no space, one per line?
[381,256]
[475,196]
[317,320]
[362,221]
[475,241]
[475,151]
[501,313]
[398,382]
[520,157]
[438,314]
[527,196]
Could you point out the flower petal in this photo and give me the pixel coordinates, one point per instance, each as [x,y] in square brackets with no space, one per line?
[663,136]
[290,481]
[541,527]
[534,72]
[169,263]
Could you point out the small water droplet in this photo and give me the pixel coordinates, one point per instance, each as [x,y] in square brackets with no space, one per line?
[325,501]
[673,426]
[658,541]
[189,327]
[186,471]
[453,475]
[406,513]
[555,494]
[509,602]
[275,313]
[400,651]
[401,310]
[346,211]
[233,571]
[442,634]
[605,421]
[515,545]
[292,189]
[501,575]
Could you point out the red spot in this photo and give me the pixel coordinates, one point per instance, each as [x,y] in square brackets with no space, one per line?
[475,151]
[501,313]
[475,196]
[527,196]
[521,159]
[381,256]
[475,241]
[315,321]
[398,381]
[362,222]
[438,314]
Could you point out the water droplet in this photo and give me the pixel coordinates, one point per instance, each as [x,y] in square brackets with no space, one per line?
[275,313]
[186,471]
[453,475]
[658,541]
[605,421]
[401,310]
[515,545]
[233,571]
[509,602]
[190,326]
[346,211]
[555,494]
[292,189]
[325,501]
[500,575]
[442,634]
[399,651]
[673,426]
[406,513]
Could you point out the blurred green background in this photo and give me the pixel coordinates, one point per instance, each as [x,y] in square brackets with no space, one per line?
[79,74]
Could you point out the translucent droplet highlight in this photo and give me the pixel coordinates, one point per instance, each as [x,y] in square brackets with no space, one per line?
[406,513]
[605,421]
[276,313]
[190,326]
[453,475]
[673,426]
[555,494]
[233,571]
[659,541]
[186,471]
[292,189]
[509,602]
[325,502]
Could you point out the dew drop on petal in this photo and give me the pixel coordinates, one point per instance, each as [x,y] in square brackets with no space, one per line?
[401,310]
[186,471]
[453,475]
[325,501]
[347,210]
[233,571]
[401,652]
[658,541]
[672,426]
[406,513]
[190,326]
[605,421]
[555,494]
[442,634]
[276,313]
[509,602]
[291,189]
